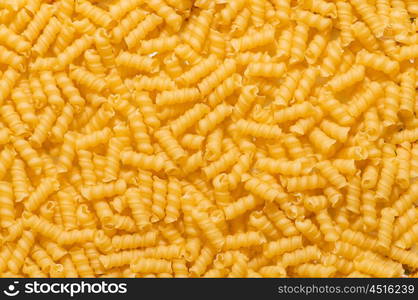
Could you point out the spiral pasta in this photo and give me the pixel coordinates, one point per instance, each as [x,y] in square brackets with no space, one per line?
[203,138]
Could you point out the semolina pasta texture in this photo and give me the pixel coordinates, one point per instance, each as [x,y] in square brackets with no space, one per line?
[208,138]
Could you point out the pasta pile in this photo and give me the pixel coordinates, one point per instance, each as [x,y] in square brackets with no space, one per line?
[208,138]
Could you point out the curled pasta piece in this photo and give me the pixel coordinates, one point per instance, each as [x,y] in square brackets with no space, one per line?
[315,270]
[301,256]
[378,62]
[21,251]
[72,51]
[366,99]
[20,180]
[369,16]
[265,69]
[132,241]
[198,71]
[213,118]
[170,144]
[324,8]
[322,142]
[7,211]
[151,265]
[83,77]
[198,29]
[227,68]
[158,83]
[40,133]
[225,89]
[141,160]
[95,14]
[281,246]
[284,167]
[305,84]
[137,62]
[252,128]
[13,121]
[167,12]
[293,112]
[28,154]
[209,229]
[11,58]
[299,39]
[309,230]
[189,118]
[127,24]
[302,183]
[406,107]
[342,81]
[99,191]
[387,179]
[26,109]
[51,90]
[160,44]
[385,233]
[223,163]
[259,38]
[139,132]
[47,187]
[121,8]
[244,240]
[9,79]
[185,52]
[315,203]
[363,34]
[313,20]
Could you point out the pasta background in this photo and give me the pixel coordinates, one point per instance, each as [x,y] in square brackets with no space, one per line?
[241,138]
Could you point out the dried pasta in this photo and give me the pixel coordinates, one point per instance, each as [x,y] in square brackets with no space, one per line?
[242,138]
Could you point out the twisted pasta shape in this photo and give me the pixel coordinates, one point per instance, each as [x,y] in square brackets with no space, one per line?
[369,16]
[378,62]
[313,20]
[267,69]
[406,107]
[128,23]
[102,190]
[40,132]
[9,79]
[363,34]
[332,57]
[244,240]
[309,230]
[299,39]
[225,89]
[7,210]
[305,84]
[226,69]
[252,128]
[95,14]
[20,181]
[209,229]
[6,159]
[259,38]
[167,12]
[22,249]
[137,62]
[198,29]
[131,241]
[213,118]
[281,246]
[47,187]
[301,256]
[51,90]
[28,154]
